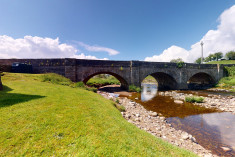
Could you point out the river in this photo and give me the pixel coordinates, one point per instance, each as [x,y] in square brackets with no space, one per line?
[213,129]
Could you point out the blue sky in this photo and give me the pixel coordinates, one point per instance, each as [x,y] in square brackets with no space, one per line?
[113,29]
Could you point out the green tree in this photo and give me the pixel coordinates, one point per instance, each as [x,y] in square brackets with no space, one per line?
[218,55]
[198,61]
[230,55]
[177,60]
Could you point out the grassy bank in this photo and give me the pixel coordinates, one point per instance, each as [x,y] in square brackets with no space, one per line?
[49,119]
[102,80]
[222,62]
[229,81]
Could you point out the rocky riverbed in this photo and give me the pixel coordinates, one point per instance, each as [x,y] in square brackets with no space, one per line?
[155,124]
[222,103]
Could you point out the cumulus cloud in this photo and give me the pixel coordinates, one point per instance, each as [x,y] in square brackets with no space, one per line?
[37,47]
[98,49]
[220,40]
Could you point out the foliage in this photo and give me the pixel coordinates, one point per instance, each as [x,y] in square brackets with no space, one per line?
[61,80]
[230,70]
[55,79]
[227,83]
[193,99]
[198,61]
[149,79]
[98,80]
[177,60]
[79,84]
[212,57]
[133,88]
[45,119]
[180,64]
[230,55]
[121,108]
[218,55]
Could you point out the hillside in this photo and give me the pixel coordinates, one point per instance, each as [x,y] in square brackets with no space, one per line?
[45,119]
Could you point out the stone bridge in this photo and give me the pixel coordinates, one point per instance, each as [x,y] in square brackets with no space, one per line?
[168,75]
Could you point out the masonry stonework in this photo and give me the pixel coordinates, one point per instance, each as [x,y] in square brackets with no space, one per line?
[168,75]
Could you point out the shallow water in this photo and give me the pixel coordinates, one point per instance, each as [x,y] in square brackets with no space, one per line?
[212,129]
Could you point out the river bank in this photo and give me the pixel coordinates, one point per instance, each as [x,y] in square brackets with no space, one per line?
[222,103]
[156,124]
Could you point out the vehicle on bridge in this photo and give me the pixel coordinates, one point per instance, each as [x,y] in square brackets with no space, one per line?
[21,68]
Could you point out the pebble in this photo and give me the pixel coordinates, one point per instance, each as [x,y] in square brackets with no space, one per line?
[156,124]
[226,149]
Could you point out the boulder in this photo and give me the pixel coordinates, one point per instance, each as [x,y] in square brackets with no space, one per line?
[178,102]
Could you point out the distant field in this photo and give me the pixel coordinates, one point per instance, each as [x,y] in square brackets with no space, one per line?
[53,118]
[222,62]
[102,80]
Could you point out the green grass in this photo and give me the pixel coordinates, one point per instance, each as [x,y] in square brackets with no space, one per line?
[149,79]
[227,83]
[133,88]
[222,62]
[46,119]
[97,81]
[193,99]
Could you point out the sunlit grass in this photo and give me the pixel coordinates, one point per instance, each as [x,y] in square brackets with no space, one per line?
[44,119]
[222,62]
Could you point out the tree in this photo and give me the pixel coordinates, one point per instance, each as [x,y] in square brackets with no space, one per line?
[230,55]
[198,61]
[218,55]
[177,60]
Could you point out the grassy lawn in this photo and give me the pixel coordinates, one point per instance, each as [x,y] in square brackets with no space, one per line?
[222,62]
[47,119]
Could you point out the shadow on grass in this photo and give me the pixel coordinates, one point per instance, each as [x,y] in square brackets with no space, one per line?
[9,99]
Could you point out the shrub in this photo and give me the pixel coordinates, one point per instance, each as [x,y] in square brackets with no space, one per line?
[180,64]
[133,88]
[230,70]
[121,108]
[56,79]
[193,99]
[79,84]
[93,89]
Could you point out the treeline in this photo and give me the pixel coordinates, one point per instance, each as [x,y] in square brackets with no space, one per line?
[217,56]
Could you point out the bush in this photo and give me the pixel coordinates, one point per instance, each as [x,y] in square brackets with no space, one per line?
[133,88]
[180,64]
[230,55]
[193,99]
[93,89]
[121,108]
[230,70]
[79,84]
[56,79]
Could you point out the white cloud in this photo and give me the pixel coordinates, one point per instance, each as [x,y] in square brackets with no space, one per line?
[220,40]
[172,52]
[37,47]
[99,49]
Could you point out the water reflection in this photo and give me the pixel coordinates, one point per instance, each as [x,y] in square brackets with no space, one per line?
[165,104]
[149,91]
[211,129]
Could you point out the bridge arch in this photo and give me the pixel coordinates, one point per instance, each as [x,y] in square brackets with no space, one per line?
[201,80]
[123,82]
[164,80]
